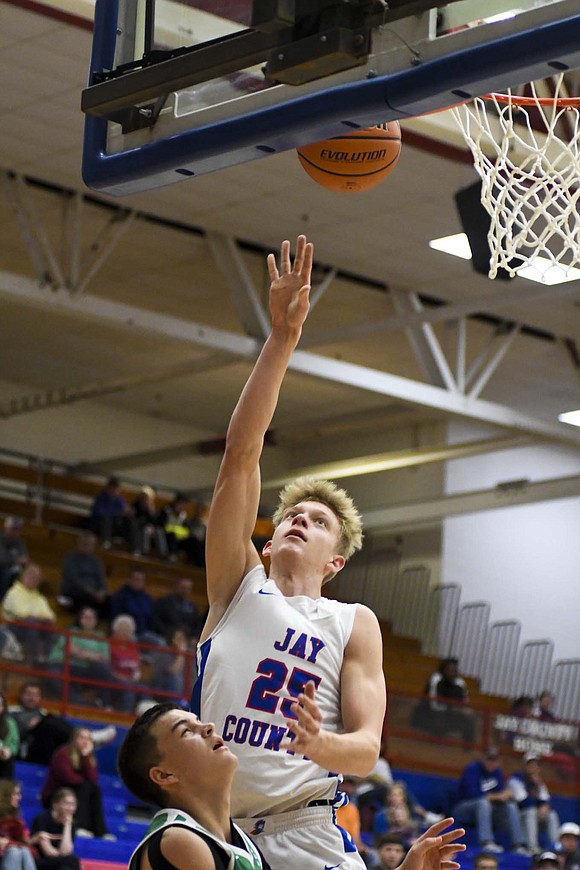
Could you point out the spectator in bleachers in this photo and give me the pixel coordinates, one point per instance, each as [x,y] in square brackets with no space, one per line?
[568,850]
[13,553]
[175,519]
[125,660]
[391,851]
[177,610]
[398,815]
[484,799]
[198,526]
[444,710]
[89,656]
[9,741]
[33,617]
[42,732]
[74,765]
[132,598]
[112,517]
[533,799]
[485,861]
[169,666]
[83,580]
[543,708]
[56,829]
[546,861]
[17,847]
[150,529]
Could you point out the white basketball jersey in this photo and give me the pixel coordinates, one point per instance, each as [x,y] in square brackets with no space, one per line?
[255,663]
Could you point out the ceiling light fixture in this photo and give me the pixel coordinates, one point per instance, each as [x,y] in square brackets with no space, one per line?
[539,269]
[571,417]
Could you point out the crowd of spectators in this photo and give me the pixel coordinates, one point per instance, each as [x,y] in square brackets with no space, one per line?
[113,639]
[178,526]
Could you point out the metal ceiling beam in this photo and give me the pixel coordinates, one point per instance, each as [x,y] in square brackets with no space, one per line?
[484,303]
[424,343]
[44,399]
[228,259]
[399,459]
[418,514]
[310,364]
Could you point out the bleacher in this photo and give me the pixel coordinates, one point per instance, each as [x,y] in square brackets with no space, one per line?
[430,768]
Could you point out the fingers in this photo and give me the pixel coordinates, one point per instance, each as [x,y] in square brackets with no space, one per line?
[302,260]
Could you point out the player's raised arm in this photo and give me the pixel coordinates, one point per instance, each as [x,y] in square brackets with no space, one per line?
[229,550]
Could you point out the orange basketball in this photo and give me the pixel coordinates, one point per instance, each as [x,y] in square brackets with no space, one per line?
[356,161]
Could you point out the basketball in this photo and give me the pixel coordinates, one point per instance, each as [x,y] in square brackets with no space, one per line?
[356,161]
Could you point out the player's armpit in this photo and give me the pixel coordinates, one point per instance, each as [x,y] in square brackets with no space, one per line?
[184,849]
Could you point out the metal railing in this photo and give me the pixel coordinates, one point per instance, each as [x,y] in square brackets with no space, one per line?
[565,685]
[499,660]
[469,637]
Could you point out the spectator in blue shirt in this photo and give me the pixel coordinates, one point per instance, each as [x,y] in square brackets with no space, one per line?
[133,600]
[484,799]
[111,516]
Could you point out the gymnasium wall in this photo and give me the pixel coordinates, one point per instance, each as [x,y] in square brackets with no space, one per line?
[524,560]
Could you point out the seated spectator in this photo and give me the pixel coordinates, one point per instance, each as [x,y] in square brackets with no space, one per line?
[17,850]
[485,861]
[435,714]
[398,815]
[125,659]
[198,526]
[175,519]
[176,610]
[9,741]
[56,829]
[391,851]
[483,799]
[13,553]
[546,861]
[33,616]
[88,656]
[533,799]
[133,599]
[150,530]
[172,669]
[112,517]
[83,580]
[42,732]
[568,850]
[74,766]
[543,709]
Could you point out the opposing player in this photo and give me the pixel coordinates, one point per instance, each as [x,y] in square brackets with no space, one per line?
[171,759]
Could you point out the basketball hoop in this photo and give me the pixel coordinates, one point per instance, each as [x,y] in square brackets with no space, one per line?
[527,153]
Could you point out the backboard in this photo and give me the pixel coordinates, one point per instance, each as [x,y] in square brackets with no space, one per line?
[178,89]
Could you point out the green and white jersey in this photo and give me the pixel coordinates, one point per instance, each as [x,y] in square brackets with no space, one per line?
[240,855]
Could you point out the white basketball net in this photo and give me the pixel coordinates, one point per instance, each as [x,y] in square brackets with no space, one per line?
[528,158]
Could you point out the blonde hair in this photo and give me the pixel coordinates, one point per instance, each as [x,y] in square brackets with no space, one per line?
[339,502]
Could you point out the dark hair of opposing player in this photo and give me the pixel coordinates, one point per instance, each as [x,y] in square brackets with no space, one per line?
[139,753]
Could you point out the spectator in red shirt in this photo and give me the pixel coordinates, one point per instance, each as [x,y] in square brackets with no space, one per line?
[125,658]
[74,765]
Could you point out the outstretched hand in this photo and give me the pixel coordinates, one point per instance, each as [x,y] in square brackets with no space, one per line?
[435,850]
[308,724]
[290,286]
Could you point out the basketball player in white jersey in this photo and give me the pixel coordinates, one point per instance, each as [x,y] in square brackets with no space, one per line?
[292,680]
